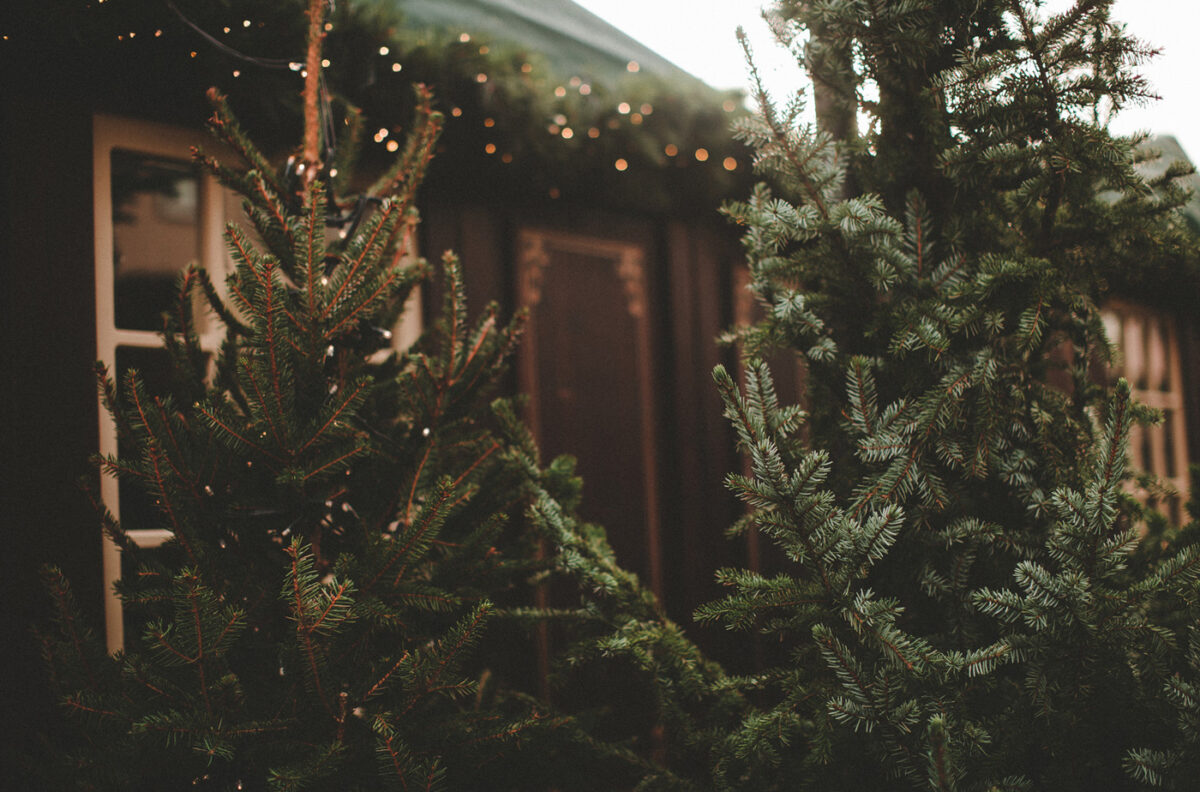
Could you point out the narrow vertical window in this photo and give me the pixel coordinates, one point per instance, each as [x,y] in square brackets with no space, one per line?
[1148,357]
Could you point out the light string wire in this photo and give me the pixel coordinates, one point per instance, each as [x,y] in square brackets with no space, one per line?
[326,110]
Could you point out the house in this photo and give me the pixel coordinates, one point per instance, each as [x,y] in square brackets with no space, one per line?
[580,178]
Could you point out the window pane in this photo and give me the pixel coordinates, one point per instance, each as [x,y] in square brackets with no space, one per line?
[153,365]
[156,233]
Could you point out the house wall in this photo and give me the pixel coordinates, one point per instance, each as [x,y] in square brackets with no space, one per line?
[50,420]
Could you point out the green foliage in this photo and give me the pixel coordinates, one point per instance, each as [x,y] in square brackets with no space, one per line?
[963,600]
[349,597]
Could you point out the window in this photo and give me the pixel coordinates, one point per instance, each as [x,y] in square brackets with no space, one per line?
[1149,359]
[155,213]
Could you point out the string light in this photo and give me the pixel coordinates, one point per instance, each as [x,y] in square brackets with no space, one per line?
[636,118]
[226,29]
[560,92]
[560,119]
[585,89]
[632,67]
[646,108]
[481,78]
[487,122]
[701,154]
[384,50]
[526,68]
[568,133]
[594,132]
[464,37]
[670,149]
[237,73]
[157,34]
[245,23]
[506,158]
[392,145]
[729,106]
[621,164]
[456,112]
[730,164]
[575,82]
[484,50]
[396,67]
[623,108]
[325,63]
[490,148]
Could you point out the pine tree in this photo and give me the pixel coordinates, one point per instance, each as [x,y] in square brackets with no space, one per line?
[961,601]
[347,597]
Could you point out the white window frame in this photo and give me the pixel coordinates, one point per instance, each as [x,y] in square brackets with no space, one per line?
[170,142]
[157,140]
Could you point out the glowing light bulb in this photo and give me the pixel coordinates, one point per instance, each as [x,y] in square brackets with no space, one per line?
[621,164]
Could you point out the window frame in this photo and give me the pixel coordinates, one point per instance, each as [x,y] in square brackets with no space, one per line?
[169,142]
[1148,356]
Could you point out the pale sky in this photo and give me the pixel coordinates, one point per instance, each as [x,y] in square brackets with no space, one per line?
[698,35]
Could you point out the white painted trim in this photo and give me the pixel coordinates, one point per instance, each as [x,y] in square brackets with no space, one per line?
[160,140]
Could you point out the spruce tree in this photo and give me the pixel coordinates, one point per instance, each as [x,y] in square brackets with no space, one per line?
[347,597]
[962,598]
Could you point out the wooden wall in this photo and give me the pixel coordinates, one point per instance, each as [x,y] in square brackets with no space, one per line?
[50,422]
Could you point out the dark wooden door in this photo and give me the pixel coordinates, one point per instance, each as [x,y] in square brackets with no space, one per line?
[586,364]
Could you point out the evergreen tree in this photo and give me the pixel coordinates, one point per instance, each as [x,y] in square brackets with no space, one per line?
[961,602]
[346,599]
